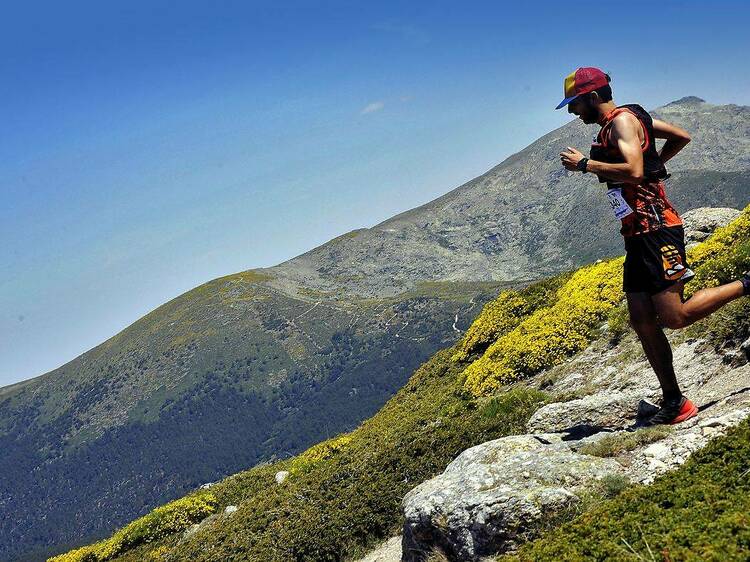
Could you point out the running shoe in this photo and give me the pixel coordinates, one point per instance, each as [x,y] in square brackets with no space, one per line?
[746,283]
[674,411]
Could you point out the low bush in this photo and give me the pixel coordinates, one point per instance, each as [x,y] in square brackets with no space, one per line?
[160,523]
[551,334]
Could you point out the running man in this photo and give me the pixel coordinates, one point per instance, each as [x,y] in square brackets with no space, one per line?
[624,155]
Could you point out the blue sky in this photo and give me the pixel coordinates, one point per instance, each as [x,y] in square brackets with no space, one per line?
[150,146]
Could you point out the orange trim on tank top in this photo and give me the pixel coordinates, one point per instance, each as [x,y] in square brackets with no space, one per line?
[608,121]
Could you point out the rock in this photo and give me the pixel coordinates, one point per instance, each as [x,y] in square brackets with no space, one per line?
[658,451]
[195,527]
[674,450]
[702,221]
[281,476]
[494,496]
[590,413]
[388,551]
[206,486]
[230,509]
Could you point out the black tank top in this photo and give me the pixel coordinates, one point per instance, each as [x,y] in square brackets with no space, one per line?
[603,151]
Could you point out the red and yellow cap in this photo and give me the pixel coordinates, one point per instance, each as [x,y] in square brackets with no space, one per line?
[581,81]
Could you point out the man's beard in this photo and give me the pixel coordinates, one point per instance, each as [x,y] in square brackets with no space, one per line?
[589,114]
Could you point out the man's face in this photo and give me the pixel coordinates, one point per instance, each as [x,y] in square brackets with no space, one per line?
[584,107]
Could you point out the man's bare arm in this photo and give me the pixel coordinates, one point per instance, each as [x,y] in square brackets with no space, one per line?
[676,137]
[625,135]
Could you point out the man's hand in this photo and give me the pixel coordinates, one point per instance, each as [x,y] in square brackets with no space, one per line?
[570,158]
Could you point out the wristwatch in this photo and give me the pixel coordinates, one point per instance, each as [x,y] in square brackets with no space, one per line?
[582,164]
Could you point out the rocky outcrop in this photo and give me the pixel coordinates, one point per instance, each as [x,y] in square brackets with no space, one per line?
[699,223]
[498,494]
[495,495]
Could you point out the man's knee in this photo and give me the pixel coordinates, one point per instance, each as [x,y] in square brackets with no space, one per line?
[642,323]
[674,320]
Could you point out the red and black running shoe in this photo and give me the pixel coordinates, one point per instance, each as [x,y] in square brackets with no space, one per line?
[746,283]
[674,411]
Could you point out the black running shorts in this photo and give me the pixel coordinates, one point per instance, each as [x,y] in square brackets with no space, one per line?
[655,260]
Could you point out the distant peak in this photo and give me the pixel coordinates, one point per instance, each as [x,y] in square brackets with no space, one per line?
[687,100]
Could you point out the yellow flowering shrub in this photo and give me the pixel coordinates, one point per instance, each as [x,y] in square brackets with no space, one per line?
[161,522]
[504,313]
[549,335]
[723,257]
[158,553]
[319,452]
[497,317]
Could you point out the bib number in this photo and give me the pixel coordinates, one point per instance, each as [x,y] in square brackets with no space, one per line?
[619,206]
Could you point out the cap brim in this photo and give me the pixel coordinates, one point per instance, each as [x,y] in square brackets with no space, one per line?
[566,101]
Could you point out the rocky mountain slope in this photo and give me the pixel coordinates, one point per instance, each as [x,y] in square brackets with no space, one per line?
[515,221]
[259,365]
[551,440]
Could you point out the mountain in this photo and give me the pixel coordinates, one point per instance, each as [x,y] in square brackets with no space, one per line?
[516,222]
[259,365]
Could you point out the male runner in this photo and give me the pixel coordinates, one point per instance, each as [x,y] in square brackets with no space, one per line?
[624,155]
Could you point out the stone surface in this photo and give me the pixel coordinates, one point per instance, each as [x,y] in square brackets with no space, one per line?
[281,475]
[388,551]
[702,221]
[591,413]
[495,495]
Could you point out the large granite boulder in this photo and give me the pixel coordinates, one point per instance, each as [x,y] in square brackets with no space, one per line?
[590,414]
[497,495]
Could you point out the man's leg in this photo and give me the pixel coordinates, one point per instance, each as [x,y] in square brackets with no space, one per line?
[655,344]
[675,312]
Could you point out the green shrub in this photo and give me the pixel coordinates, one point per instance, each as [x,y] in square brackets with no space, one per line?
[618,322]
[160,523]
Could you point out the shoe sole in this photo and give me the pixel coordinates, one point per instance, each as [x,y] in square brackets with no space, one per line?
[692,412]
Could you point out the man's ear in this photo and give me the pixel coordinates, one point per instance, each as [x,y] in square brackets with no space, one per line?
[594,98]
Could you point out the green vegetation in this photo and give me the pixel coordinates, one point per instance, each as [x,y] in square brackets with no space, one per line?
[552,333]
[456,291]
[613,445]
[343,495]
[160,523]
[699,512]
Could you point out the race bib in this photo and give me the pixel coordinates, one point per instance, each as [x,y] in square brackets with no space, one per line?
[618,204]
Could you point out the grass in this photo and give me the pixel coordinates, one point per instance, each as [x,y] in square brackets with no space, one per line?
[614,445]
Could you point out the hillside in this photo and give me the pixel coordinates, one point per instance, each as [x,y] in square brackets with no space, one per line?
[338,498]
[258,365]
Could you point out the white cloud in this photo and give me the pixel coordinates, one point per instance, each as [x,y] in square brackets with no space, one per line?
[372,107]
